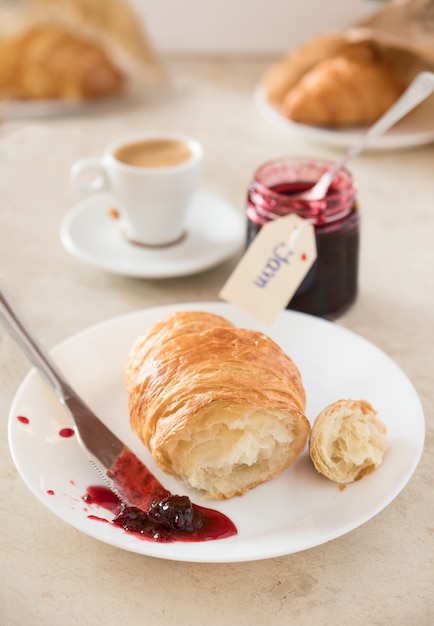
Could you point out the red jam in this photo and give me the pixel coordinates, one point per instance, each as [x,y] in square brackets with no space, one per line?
[146,508]
[149,510]
[330,286]
[66,432]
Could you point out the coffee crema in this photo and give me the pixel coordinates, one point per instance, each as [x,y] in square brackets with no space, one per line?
[154,153]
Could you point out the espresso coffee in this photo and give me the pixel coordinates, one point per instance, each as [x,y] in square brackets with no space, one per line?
[154,153]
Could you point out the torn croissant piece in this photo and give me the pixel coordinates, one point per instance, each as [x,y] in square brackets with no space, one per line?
[49,61]
[347,441]
[220,407]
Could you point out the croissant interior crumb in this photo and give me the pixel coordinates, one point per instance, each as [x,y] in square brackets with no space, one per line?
[234,449]
[347,441]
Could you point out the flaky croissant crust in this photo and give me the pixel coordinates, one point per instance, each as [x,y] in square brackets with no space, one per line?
[201,391]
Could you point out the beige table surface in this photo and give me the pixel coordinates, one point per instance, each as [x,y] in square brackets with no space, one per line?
[381,573]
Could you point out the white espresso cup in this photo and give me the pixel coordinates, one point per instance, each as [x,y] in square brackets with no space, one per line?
[152,177]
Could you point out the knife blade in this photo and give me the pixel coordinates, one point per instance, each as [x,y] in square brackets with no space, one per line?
[100,445]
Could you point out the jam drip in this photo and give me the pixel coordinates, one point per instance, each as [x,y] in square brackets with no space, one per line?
[150,511]
[166,518]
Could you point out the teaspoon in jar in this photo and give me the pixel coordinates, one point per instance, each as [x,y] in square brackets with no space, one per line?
[419,89]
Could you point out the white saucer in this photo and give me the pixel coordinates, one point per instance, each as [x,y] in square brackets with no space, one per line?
[215,231]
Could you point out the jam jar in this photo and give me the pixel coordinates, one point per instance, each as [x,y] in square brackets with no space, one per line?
[330,286]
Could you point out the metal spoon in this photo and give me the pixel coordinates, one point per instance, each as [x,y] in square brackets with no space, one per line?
[419,89]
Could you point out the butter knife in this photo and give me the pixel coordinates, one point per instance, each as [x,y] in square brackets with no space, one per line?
[99,444]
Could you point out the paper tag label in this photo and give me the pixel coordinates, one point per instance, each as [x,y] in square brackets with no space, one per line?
[272,268]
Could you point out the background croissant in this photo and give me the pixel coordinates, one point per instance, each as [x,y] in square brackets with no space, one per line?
[220,407]
[338,80]
[342,91]
[48,61]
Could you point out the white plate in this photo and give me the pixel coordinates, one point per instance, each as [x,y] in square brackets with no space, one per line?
[416,129]
[295,511]
[215,231]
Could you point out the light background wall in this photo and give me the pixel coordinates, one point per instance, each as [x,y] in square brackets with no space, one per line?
[244,27]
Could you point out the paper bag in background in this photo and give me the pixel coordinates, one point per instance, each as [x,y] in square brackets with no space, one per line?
[404,23]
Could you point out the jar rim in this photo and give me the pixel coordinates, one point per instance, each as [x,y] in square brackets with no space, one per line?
[295,161]
[271,204]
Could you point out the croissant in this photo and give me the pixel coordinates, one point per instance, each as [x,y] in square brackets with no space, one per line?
[220,407]
[340,80]
[285,74]
[342,91]
[50,62]
[347,441]
[116,20]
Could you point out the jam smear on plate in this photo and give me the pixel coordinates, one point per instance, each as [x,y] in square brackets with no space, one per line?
[152,512]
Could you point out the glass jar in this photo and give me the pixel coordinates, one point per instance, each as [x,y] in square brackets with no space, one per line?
[330,286]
